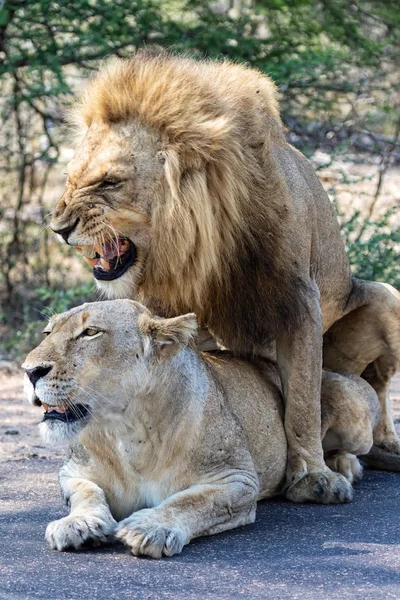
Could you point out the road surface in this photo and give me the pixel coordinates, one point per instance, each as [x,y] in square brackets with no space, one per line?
[292,551]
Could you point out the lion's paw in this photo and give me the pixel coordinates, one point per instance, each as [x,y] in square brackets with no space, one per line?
[76,531]
[322,487]
[146,534]
[347,464]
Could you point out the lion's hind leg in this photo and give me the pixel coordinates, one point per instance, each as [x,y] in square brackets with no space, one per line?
[350,411]
[345,463]
[385,452]
[366,342]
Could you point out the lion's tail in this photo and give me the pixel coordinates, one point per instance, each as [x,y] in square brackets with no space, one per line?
[381,459]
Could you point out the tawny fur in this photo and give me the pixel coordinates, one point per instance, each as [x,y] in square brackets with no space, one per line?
[222,115]
[230,222]
[179,443]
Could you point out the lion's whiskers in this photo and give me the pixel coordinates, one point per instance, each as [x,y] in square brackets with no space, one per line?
[114,237]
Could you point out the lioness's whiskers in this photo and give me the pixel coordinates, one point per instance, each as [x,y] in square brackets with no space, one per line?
[90,397]
[93,399]
[74,409]
[96,392]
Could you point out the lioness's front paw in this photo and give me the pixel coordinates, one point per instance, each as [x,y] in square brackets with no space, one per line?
[146,534]
[347,464]
[322,487]
[75,531]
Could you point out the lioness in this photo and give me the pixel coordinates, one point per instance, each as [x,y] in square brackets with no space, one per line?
[166,443]
[184,194]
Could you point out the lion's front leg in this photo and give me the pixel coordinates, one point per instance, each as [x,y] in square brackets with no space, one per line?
[90,519]
[299,356]
[202,509]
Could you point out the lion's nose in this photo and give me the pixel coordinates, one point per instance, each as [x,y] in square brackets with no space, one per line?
[37,373]
[65,231]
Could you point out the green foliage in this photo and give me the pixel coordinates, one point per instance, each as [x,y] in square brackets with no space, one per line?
[19,340]
[318,51]
[308,46]
[59,300]
[335,62]
[373,247]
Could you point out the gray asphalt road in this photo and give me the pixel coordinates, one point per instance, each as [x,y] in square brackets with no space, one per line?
[292,551]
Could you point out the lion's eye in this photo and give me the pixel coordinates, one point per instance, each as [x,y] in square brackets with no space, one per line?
[45,333]
[89,333]
[108,183]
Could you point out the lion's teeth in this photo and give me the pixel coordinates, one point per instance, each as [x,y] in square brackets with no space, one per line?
[87,251]
[105,264]
[92,262]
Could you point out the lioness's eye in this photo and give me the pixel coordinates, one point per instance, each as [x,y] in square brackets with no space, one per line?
[89,333]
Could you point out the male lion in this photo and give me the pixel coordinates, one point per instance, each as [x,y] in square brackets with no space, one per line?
[170,443]
[184,193]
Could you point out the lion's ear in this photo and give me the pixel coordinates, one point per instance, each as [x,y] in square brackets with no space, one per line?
[211,135]
[197,142]
[168,336]
[191,148]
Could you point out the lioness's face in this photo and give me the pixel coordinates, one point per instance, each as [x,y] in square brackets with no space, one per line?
[97,360]
[75,373]
[105,212]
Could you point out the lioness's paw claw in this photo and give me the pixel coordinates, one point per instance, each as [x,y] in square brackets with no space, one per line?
[322,487]
[347,464]
[73,532]
[146,535]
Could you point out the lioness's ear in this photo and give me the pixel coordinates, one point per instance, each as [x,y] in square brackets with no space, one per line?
[169,335]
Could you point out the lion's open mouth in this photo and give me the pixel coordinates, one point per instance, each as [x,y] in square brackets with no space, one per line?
[111,259]
[64,413]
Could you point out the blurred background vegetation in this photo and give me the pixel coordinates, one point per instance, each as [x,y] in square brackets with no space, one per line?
[336,63]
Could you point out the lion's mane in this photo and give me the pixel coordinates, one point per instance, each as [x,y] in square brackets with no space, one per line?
[220,235]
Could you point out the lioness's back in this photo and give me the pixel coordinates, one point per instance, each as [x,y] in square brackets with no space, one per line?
[256,402]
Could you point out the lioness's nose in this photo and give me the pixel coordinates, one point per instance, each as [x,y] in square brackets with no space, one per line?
[37,373]
[65,231]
